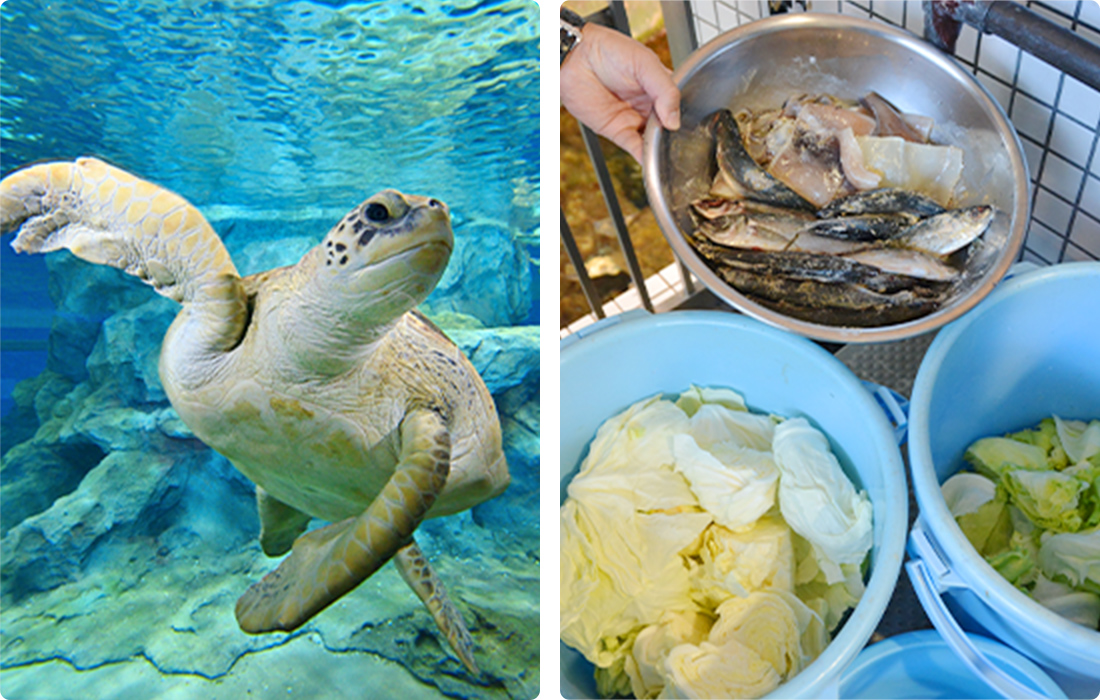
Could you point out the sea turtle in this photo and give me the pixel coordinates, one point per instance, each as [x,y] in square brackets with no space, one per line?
[318,381]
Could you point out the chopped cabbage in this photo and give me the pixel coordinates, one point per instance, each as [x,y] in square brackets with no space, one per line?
[992,456]
[653,644]
[1073,557]
[776,625]
[736,491]
[737,563]
[1078,606]
[1080,441]
[1033,512]
[708,671]
[818,501]
[1048,498]
[682,573]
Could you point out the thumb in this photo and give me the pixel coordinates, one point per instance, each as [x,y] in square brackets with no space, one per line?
[656,80]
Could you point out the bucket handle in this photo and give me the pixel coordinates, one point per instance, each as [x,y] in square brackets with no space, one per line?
[928,592]
[894,405]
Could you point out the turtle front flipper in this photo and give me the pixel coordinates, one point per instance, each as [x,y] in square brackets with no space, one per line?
[327,563]
[107,216]
[421,577]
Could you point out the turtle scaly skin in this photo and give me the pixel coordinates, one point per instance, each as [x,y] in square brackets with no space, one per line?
[318,381]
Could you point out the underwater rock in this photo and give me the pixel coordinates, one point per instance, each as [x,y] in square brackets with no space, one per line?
[517,514]
[173,608]
[504,357]
[84,295]
[127,351]
[456,321]
[125,491]
[34,399]
[34,476]
[489,276]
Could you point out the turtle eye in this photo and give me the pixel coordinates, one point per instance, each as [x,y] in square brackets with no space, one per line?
[377,212]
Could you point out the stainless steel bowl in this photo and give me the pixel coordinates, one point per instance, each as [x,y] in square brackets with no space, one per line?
[759,65]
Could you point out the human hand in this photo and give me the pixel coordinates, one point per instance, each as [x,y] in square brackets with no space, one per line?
[611,83]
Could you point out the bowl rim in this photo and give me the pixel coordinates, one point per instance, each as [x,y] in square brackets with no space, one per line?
[995,591]
[655,135]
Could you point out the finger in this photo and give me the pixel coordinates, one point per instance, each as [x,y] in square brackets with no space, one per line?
[656,80]
[667,106]
[631,142]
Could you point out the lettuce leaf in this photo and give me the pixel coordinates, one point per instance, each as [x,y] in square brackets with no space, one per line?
[981,511]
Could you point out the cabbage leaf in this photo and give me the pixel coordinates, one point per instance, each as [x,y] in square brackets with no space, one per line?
[817,499]
[680,576]
[1033,512]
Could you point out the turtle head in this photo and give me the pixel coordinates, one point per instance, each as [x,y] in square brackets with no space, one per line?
[386,255]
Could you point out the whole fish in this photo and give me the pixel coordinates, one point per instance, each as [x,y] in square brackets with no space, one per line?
[794,265]
[808,242]
[863,227]
[833,304]
[885,200]
[945,233]
[747,224]
[737,165]
[904,261]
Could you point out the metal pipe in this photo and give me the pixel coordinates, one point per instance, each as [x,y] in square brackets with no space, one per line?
[577,260]
[614,15]
[1050,42]
[611,199]
[680,30]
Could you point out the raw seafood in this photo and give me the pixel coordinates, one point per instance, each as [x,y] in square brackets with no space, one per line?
[796,217]
[947,232]
[882,201]
[737,166]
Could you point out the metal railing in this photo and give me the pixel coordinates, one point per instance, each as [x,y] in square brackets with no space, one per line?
[1040,60]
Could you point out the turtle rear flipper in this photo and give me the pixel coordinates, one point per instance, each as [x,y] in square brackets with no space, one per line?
[327,563]
[280,524]
[421,577]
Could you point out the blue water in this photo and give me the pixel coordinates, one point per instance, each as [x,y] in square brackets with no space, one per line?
[126,541]
[275,115]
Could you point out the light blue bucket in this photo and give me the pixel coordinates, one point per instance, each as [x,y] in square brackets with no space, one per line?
[922,666]
[778,372]
[1030,350]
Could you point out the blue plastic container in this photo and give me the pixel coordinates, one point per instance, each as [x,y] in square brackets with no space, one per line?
[1030,350]
[775,371]
[922,666]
